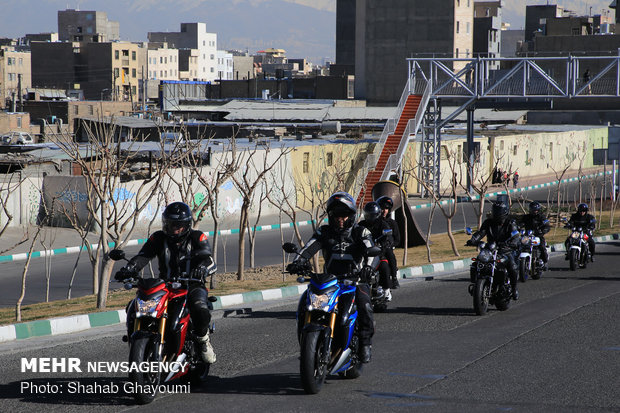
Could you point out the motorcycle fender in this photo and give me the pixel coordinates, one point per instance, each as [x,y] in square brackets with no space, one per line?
[308,328]
[142,334]
[524,255]
[575,247]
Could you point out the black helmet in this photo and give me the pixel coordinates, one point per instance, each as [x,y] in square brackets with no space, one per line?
[177,215]
[535,207]
[385,202]
[499,211]
[372,212]
[340,204]
[582,208]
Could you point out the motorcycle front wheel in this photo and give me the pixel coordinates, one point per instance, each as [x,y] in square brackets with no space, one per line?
[573,258]
[536,270]
[144,350]
[482,294]
[312,368]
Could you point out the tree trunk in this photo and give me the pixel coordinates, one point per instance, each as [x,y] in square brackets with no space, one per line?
[451,236]
[18,305]
[243,221]
[102,297]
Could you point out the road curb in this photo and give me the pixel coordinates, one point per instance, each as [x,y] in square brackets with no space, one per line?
[75,323]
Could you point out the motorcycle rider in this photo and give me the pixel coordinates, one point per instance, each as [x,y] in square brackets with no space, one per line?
[582,219]
[343,244]
[539,224]
[502,230]
[173,242]
[374,222]
[386,204]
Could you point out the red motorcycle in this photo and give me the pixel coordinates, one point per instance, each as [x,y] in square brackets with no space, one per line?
[162,343]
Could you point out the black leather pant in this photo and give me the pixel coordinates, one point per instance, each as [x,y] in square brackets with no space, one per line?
[199,308]
[366,315]
[384,275]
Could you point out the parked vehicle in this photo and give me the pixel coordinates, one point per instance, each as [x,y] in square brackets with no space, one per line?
[160,330]
[327,326]
[17,138]
[578,248]
[530,263]
[490,281]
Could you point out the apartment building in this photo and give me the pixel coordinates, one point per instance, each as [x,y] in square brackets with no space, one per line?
[15,76]
[224,65]
[193,36]
[385,34]
[86,26]
[488,31]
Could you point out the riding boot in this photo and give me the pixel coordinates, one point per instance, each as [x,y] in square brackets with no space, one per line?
[207,352]
[365,353]
[395,283]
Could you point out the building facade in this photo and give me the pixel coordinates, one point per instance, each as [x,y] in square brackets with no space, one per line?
[387,33]
[15,76]
[193,36]
[224,65]
[488,30]
[86,26]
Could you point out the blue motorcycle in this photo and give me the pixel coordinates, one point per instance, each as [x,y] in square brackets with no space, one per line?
[327,326]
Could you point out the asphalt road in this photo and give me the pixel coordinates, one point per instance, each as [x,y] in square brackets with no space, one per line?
[555,350]
[268,252]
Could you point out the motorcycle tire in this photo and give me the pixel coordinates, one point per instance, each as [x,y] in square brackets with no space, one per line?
[144,349]
[583,259]
[197,375]
[312,369]
[380,308]
[573,258]
[503,303]
[482,295]
[524,269]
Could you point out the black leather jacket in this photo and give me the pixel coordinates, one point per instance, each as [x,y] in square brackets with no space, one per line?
[343,251]
[377,230]
[537,223]
[172,256]
[587,221]
[505,234]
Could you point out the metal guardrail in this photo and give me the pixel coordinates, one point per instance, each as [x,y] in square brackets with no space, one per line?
[413,126]
[532,77]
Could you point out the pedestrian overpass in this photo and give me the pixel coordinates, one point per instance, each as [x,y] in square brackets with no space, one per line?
[472,82]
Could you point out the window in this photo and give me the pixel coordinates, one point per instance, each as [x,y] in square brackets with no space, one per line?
[116,72]
[514,150]
[79,29]
[133,72]
[125,53]
[19,122]
[330,158]
[212,57]
[133,55]
[161,59]
[467,27]
[90,109]
[212,69]
[501,145]
[458,26]
[133,90]
[204,43]
[456,54]
[76,109]
[21,61]
[166,59]
[116,55]
[306,162]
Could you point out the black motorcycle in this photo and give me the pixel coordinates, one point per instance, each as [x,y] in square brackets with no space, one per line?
[490,283]
[578,249]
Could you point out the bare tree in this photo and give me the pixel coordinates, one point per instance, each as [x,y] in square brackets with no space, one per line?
[18,305]
[284,198]
[246,182]
[559,175]
[113,206]
[8,186]
[262,197]
[481,181]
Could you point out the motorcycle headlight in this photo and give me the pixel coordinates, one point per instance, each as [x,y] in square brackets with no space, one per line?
[146,308]
[575,235]
[320,301]
[525,240]
[485,256]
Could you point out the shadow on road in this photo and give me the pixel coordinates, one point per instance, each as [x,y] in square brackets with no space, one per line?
[433,311]
[80,391]
[264,384]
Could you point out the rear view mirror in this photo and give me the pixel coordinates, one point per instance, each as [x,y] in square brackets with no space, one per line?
[117,255]
[468,230]
[289,247]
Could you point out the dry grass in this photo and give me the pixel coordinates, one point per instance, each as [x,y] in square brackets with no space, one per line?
[269,277]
